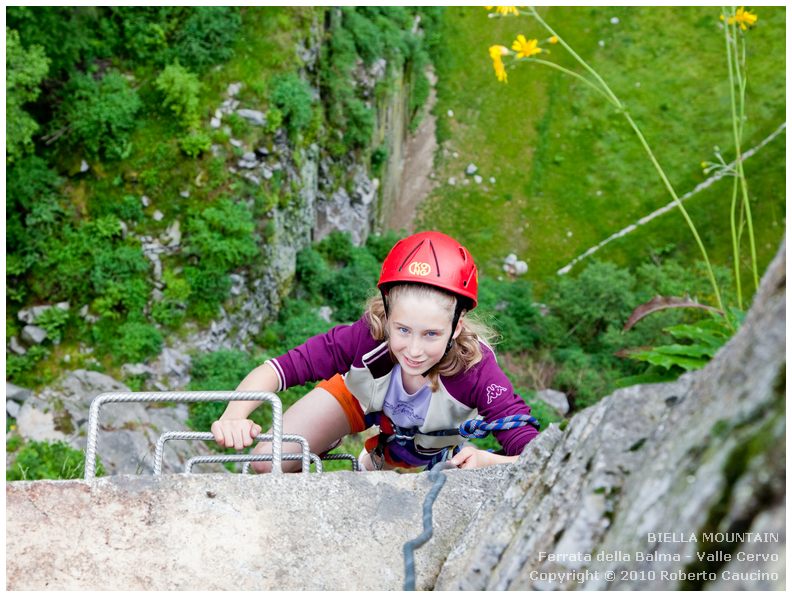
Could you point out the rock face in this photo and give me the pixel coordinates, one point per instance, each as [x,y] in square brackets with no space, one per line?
[209,532]
[665,475]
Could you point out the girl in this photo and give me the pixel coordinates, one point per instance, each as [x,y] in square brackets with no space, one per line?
[413,364]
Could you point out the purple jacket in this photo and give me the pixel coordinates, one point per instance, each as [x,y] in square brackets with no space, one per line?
[366,364]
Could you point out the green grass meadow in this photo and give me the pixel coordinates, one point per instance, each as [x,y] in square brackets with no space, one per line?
[568,169]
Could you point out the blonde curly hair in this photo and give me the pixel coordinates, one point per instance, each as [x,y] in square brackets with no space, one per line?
[465,349]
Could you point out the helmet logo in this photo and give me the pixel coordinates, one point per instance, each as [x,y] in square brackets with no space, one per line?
[417,268]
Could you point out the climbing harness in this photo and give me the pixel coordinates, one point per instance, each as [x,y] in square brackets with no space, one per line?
[277,437]
[472,428]
[439,480]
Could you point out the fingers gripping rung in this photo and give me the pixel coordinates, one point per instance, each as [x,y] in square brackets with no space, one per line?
[205,436]
[123,397]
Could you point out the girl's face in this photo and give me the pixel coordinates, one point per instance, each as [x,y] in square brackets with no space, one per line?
[419,325]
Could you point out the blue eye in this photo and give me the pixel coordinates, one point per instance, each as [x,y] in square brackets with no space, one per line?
[404,330]
[431,334]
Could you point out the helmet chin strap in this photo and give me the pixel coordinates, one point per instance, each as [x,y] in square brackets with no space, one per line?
[460,306]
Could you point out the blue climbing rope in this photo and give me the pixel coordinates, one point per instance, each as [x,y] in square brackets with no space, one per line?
[479,428]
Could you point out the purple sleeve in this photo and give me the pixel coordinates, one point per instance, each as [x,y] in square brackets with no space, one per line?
[495,398]
[322,356]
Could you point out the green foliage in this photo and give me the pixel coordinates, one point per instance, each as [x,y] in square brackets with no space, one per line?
[274,119]
[379,245]
[49,460]
[172,309]
[206,36]
[53,321]
[514,316]
[44,26]
[292,96]
[33,216]
[98,115]
[135,341]
[221,235]
[220,370]
[585,377]
[336,247]
[195,144]
[297,321]
[311,271]
[20,368]
[180,88]
[601,295]
[25,69]
[360,123]
[704,338]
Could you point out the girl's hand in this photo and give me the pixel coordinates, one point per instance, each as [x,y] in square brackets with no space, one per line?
[470,457]
[235,433]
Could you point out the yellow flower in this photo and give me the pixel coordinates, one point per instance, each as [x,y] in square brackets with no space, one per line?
[504,10]
[497,53]
[553,39]
[743,18]
[525,48]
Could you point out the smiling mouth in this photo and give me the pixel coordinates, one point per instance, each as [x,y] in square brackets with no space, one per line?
[412,363]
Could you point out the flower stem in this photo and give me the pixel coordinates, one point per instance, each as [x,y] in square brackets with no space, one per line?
[576,76]
[736,78]
[681,207]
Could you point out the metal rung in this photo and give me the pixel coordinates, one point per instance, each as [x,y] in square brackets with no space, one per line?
[352,458]
[247,458]
[93,417]
[206,436]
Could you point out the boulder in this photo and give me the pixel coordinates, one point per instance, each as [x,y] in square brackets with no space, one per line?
[555,399]
[32,334]
[253,116]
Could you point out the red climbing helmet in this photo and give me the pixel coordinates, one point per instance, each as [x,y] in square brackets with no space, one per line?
[431,258]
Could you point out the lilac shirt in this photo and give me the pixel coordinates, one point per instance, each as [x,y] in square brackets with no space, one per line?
[404,409]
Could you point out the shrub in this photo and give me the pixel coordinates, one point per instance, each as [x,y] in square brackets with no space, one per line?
[348,290]
[274,119]
[206,36]
[180,88]
[368,41]
[172,309]
[292,96]
[514,316]
[221,235]
[601,295]
[53,321]
[25,69]
[195,144]
[33,215]
[311,271]
[99,115]
[379,245]
[336,247]
[209,287]
[135,341]
[360,123]
[49,460]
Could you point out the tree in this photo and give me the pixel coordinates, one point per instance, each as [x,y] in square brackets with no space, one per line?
[25,69]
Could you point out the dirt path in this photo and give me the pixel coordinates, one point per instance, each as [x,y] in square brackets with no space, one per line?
[415,184]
